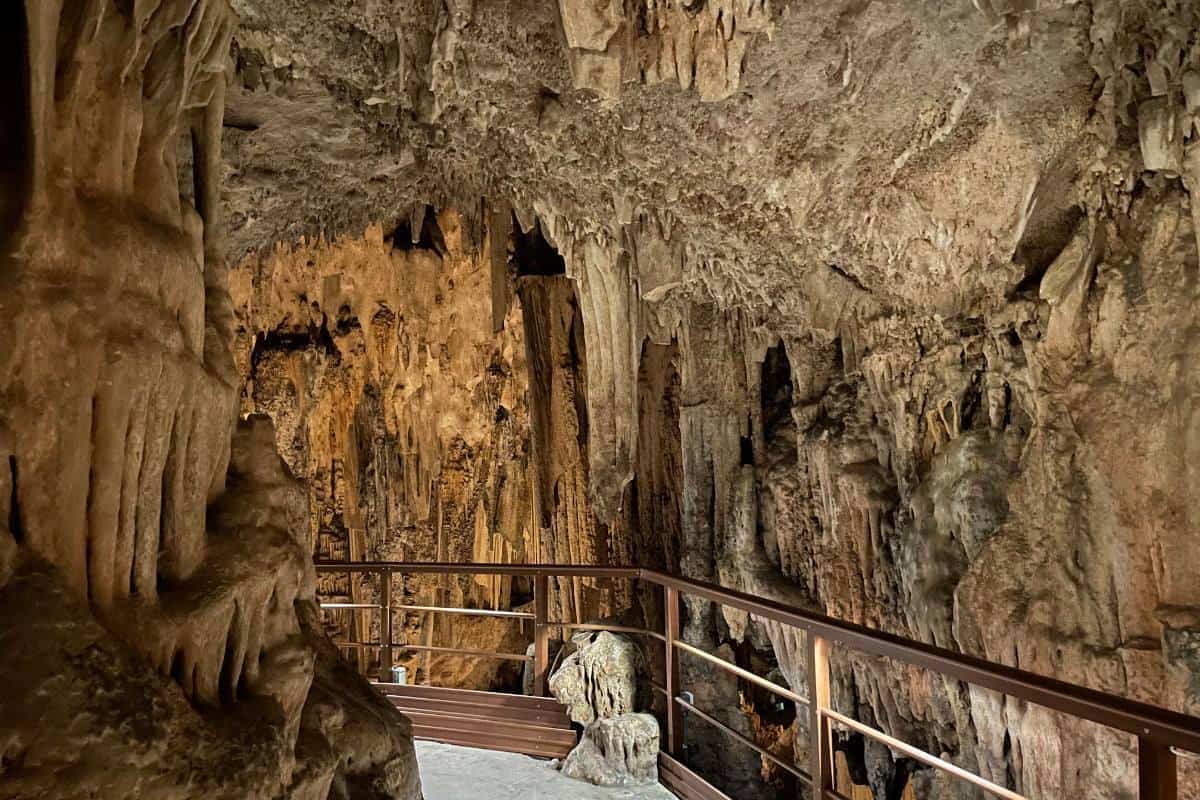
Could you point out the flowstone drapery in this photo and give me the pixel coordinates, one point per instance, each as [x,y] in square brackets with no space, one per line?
[159,608]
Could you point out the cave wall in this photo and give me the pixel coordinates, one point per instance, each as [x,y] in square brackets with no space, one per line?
[403,408]
[925,275]
[159,610]
[397,370]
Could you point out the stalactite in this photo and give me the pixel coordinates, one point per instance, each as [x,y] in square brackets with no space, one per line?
[117,421]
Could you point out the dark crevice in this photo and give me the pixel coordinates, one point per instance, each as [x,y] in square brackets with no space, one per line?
[972,403]
[857,283]
[15,132]
[839,361]
[747,451]
[1009,771]
[776,392]
[547,100]
[177,667]
[162,579]
[14,508]
[1008,401]
[317,337]
[240,120]
[901,770]
[133,560]
[579,366]
[92,478]
[346,322]
[429,237]
[533,255]
[229,677]
[853,748]
[1041,245]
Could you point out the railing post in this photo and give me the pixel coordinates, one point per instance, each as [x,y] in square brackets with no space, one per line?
[821,741]
[385,625]
[1157,776]
[674,712]
[541,634]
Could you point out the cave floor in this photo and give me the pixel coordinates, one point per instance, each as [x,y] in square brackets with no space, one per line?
[449,772]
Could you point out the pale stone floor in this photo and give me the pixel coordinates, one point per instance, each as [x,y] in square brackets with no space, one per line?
[449,772]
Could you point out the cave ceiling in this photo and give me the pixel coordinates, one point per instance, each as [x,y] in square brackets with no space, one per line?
[882,154]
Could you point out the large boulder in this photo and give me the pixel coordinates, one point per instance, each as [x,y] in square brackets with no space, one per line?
[617,751]
[599,679]
[597,683]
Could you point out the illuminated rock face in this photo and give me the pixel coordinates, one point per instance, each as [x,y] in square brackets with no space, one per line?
[397,370]
[599,679]
[598,684]
[899,328]
[160,622]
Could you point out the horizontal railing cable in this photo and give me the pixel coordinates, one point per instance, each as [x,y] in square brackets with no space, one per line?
[731,733]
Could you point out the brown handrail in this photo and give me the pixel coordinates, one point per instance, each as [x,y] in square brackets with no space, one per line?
[459,568]
[1141,719]
[1159,731]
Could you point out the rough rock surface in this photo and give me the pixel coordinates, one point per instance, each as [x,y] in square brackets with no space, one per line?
[252,681]
[396,368]
[156,593]
[620,750]
[599,679]
[913,305]
[884,307]
[598,683]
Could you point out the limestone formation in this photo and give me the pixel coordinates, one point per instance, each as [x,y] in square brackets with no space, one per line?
[396,367]
[158,601]
[598,683]
[599,679]
[884,308]
[900,327]
[620,750]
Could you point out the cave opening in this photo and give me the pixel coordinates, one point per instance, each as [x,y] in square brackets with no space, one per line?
[284,340]
[420,231]
[16,146]
[776,392]
[533,254]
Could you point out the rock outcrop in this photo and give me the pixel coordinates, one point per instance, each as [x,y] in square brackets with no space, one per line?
[620,750]
[598,683]
[157,594]
[599,678]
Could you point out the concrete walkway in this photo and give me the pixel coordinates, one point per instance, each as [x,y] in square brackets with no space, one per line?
[449,772]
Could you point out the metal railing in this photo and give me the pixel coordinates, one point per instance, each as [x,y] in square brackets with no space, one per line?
[1160,733]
